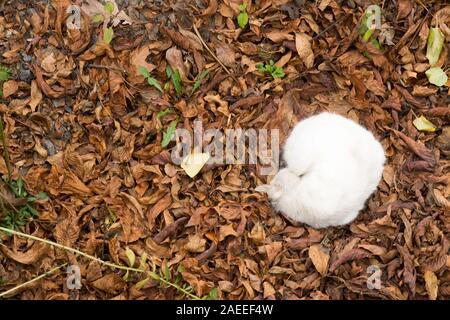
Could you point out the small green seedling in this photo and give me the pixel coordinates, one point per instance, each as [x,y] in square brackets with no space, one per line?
[176,79]
[5,73]
[18,216]
[367,27]
[108,35]
[108,8]
[199,80]
[150,80]
[272,69]
[212,295]
[242,18]
[164,112]
[168,135]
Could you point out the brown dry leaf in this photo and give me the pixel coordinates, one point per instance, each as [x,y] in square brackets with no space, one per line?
[9,88]
[225,54]
[409,272]
[421,91]
[211,9]
[226,230]
[418,148]
[319,258]
[157,250]
[257,233]
[111,283]
[138,59]
[159,207]
[94,7]
[279,36]
[195,244]
[349,255]
[67,232]
[303,46]
[431,284]
[229,210]
[32,255]
[175,58]
[268,289]
[272,250]
[36,96]
[404,8]
[324,4]
[73,185]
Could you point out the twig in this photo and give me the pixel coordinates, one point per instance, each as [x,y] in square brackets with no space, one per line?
[209,50]
[329,27]
[54,244]
[169,230]
[5,149]
[99,66]
[5,293]
[106,263]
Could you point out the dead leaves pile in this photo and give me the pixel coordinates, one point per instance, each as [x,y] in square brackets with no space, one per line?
[84,126]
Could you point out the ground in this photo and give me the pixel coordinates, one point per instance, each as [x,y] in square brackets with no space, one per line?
[90,100]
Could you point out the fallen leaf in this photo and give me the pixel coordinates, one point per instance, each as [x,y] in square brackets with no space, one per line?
[303,46]
[9,88]
[431,284]
[319,258]
[436,76]
[434,45]
[194,162]
[423,124]
[195,244]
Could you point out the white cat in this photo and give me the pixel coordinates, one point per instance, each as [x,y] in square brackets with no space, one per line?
[333,166]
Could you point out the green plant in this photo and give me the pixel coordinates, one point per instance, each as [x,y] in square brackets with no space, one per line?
[108,35]
[164,112]
[242,18]
[271,68]
[142,268]
[176,79]
[5,73]
[16,216]
[168,278]
[367,29]
[167,136]
[150,80]
[198,80]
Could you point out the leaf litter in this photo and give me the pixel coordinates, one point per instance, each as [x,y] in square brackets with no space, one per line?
[89,115]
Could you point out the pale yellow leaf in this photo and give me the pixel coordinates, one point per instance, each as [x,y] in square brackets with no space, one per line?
[423,124]
[131,256]
[194,162]
[431,284]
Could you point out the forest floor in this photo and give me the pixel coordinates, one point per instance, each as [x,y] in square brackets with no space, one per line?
[91,98]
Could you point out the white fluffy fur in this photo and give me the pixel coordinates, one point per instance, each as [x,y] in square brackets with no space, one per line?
[333,166]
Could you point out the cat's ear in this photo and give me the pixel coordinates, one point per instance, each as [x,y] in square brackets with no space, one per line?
[263,188]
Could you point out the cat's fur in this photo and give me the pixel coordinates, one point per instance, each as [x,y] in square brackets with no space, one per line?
[333,166]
